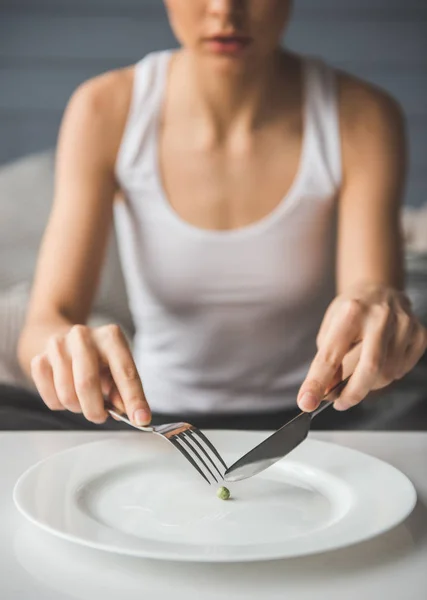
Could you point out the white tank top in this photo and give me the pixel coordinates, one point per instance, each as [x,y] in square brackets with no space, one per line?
[226,321]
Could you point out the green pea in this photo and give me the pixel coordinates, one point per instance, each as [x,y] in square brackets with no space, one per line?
[223,493]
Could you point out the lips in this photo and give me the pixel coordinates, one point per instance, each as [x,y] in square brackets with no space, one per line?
[228,44]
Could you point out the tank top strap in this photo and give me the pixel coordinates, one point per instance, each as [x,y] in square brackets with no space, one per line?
[322,101]
[147,95]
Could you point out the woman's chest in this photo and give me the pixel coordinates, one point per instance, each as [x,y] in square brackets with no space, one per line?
[217,188]
[275,263]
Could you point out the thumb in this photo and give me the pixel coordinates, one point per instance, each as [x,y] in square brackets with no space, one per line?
[313,390]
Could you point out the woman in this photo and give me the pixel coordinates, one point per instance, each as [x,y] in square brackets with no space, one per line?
[256,195]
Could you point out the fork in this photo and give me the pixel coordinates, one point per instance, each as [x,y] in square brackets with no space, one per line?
[189,440]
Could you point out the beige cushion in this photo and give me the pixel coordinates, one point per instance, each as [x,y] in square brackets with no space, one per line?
[13,304]
[26,190]
[415,229]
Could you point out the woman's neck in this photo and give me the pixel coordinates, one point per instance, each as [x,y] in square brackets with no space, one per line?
[223,100]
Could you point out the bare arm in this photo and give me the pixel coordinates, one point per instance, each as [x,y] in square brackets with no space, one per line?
[374,169]
[75,239]
[65,358]
[370,306]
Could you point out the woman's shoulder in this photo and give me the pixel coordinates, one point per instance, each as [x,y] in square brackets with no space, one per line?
[356,95]
[110,93]
[104,102]
[97,112]
[368,116]
[372,122]
[106,96]
[354,92]
[365,106]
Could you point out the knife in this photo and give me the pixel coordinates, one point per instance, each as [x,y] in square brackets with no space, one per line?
[280,443]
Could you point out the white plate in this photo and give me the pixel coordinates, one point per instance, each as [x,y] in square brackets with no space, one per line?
[136,495]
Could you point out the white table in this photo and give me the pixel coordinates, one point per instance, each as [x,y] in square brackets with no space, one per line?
[35,565]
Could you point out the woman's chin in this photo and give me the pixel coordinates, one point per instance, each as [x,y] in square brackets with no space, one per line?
[228,64]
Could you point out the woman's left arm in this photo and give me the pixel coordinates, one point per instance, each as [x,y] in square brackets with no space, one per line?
[370,306]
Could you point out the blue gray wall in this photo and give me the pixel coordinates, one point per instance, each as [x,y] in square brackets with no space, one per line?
[47,47]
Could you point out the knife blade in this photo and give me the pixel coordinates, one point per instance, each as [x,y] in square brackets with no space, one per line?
[280,443]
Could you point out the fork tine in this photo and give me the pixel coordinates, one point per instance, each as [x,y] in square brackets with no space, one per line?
[183,439]
[188,456]
[210,445]
[193,437]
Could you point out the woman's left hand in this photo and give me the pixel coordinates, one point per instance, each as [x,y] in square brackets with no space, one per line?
[391,343]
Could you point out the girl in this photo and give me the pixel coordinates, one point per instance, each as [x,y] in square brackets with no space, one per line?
[256,196]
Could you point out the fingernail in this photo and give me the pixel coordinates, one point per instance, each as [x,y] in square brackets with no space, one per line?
[341,406]
[308,401]
[141,417]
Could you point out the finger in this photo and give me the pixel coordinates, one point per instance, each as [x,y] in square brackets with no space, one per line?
[415,350]
[116,353]
[326,324]
[344,330]
[105,377]
[397,348]
[60,362]
[371,360]
[335,380]
[109,389]
[406,349]
[42,375]
[85,368]
[116,400]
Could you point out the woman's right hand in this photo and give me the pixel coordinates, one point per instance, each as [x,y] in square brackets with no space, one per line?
[85,365]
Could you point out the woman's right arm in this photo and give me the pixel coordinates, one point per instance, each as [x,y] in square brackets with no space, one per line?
[72,365]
